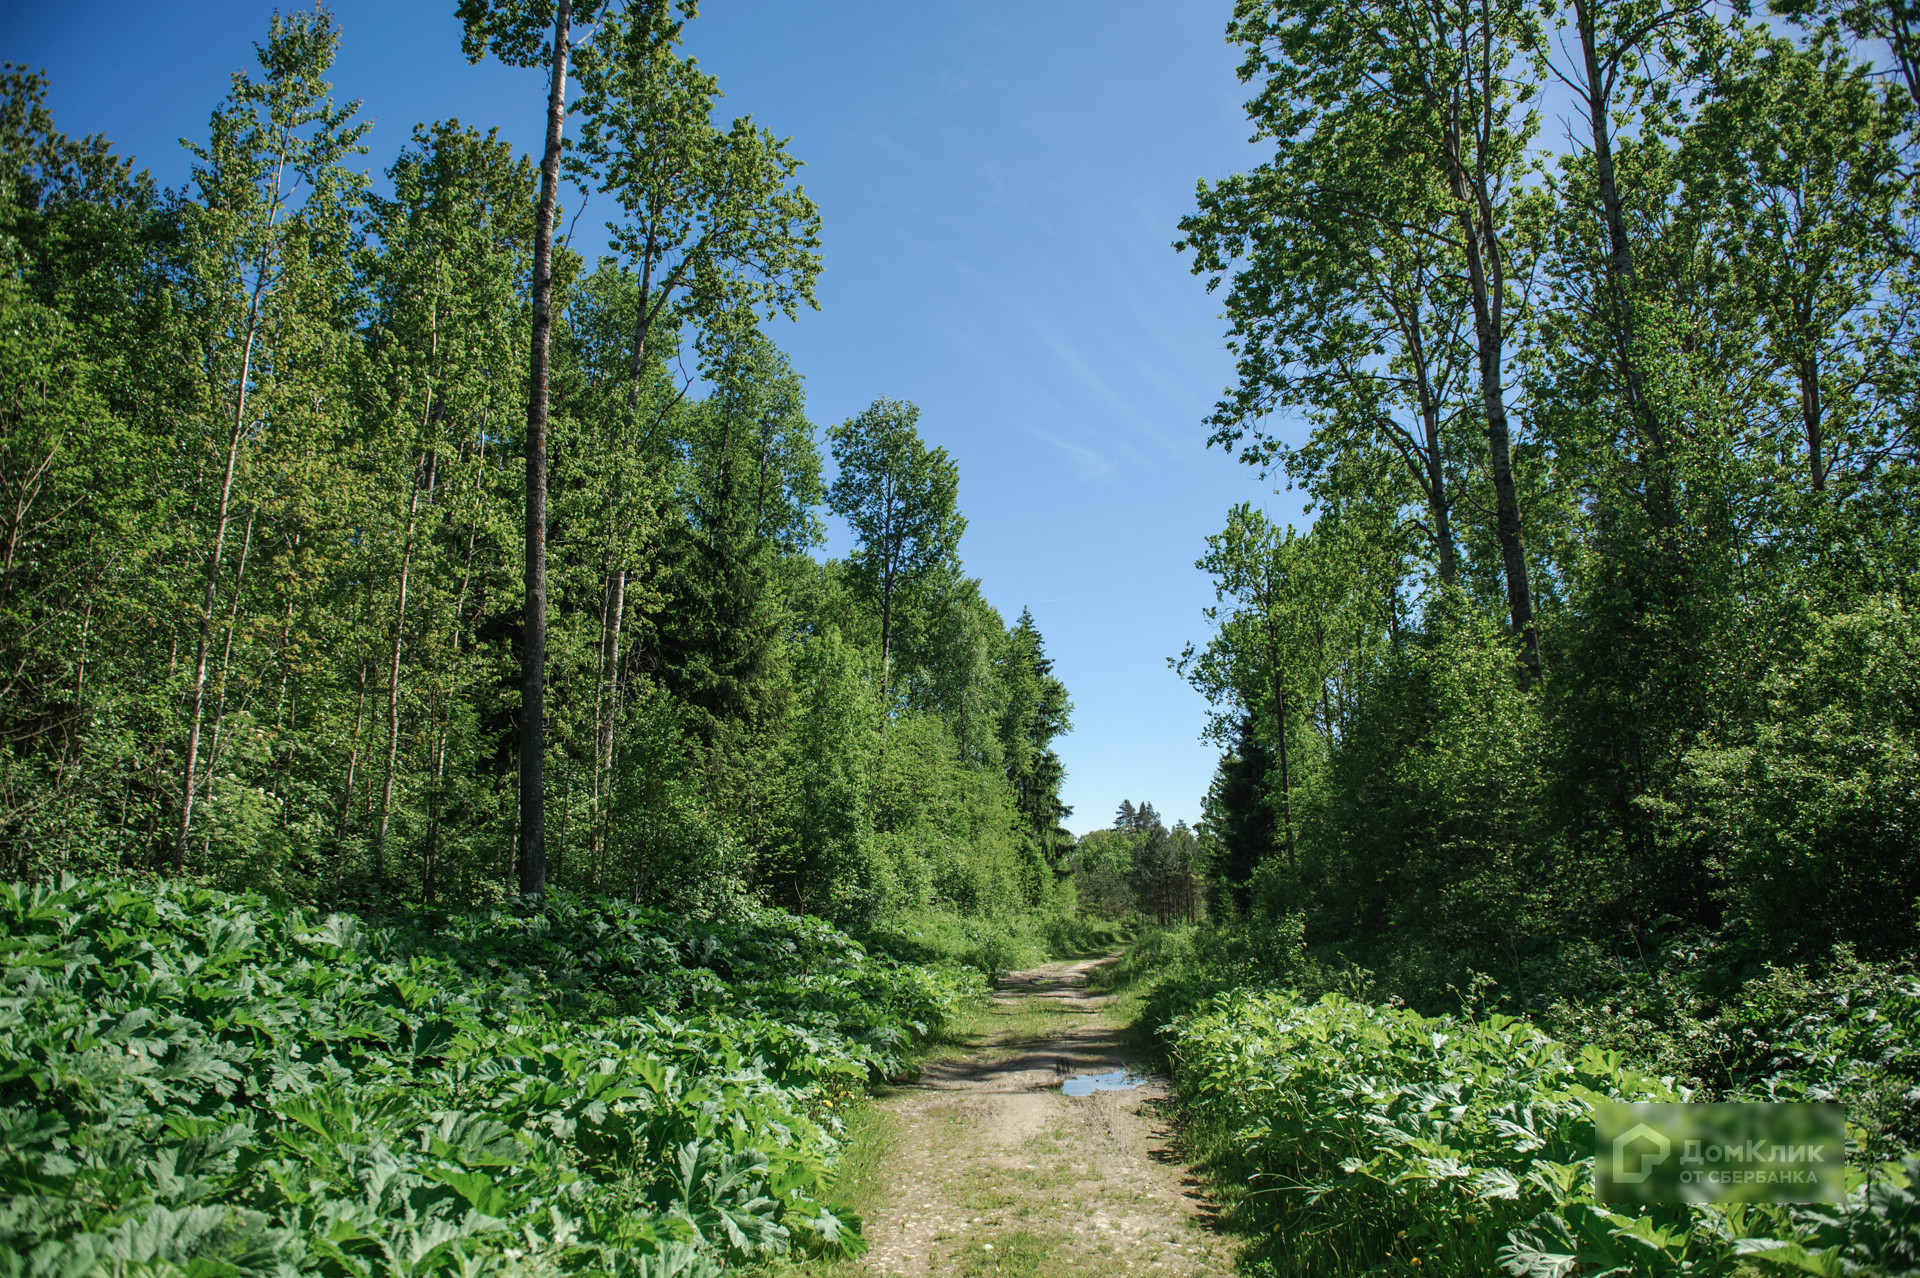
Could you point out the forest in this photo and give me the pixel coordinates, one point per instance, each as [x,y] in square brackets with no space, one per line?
[457,818]
[303,594]
[445,781]
[1573,751]
[1601,635]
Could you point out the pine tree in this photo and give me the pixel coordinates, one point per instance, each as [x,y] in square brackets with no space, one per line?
[1240,812]
[1037,711]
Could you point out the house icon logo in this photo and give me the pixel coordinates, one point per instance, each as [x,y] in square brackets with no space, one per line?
[1642,1145]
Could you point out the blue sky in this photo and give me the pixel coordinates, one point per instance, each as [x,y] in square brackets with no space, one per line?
[1000,184]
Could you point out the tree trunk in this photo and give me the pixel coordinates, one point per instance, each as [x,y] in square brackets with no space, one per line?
[1486,278]
[609,709]
[614,601]
[437,803]
[1437,499]
[1513,555]
[1280,721]
[893,548]
[533,657]
[886,633]
[393,675]
[223,515]
[1621,275]
[353,755]
[1599,105]
[430,854]
[1432,474]
[226,656]
[1810,413]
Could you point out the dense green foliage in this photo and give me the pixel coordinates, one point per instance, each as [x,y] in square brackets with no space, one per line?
[270,581]
[203,1083]
[1371,1139]
[1603,632]
[263,449]
[1592,689]
[1139,866]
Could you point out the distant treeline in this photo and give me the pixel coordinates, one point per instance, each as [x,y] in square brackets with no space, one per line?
[1140,867]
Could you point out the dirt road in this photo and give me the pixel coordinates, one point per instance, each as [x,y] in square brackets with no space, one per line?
[988,1169]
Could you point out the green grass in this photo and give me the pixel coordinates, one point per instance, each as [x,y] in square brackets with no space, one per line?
[1016,1254]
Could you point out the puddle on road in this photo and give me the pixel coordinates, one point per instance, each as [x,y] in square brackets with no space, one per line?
[1118,1080]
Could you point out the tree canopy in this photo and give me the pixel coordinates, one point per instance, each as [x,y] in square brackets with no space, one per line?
[315,585]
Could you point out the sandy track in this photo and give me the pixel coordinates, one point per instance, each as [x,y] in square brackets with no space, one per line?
[990,1170]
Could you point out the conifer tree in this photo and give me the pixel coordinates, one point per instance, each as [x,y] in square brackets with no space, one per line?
[1037,712]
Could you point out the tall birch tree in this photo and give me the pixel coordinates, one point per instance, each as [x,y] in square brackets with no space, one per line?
[270,173]
[1424,110]
[901,499]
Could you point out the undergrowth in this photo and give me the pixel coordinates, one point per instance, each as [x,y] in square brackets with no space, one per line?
[994,945]
[203,1084]
[1357,1138]
[1351,1134]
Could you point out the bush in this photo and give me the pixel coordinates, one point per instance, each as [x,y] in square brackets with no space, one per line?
[992,944]
[1699,1009]
[1849,1032]
[1814,820]
[197,1081]
[1363,1139]
[1078,937]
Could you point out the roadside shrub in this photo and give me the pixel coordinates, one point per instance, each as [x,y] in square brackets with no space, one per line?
[1844,1029]
[1813,817]
[1072,937]
[201,1083]
[1356,1138]
[1849,1034]
[990,944]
